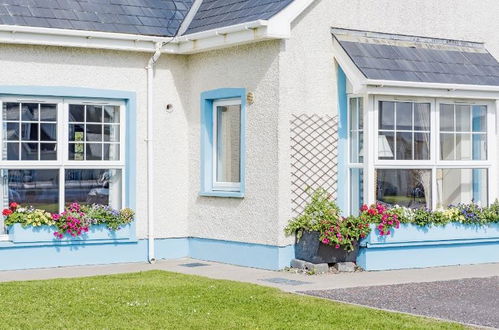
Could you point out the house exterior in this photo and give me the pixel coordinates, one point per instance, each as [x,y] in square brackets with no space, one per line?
[211,118]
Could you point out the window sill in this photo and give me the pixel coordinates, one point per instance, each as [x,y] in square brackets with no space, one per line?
[228,194]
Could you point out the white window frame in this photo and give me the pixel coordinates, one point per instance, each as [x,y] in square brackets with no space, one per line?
[218,185]
[62,163]
[372,163]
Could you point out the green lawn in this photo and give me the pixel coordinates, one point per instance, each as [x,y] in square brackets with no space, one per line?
[160,299]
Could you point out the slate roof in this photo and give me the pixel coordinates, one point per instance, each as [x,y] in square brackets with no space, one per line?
[145,17]
[214,14]
[383,56]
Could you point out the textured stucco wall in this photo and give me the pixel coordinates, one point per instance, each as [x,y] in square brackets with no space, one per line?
[254,218]
[307,73]
[52,66]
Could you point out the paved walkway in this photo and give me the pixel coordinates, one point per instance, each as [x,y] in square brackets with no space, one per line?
[286,281]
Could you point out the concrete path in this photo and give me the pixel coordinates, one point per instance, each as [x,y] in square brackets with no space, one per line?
[286,281]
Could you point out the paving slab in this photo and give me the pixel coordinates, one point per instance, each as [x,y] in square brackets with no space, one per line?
[470,300]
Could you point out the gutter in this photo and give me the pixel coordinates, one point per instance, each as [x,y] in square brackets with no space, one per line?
[150,151]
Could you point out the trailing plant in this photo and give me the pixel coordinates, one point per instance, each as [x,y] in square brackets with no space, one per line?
[384,219]
[104,214]
[73,221]
[26,216]
[322,214]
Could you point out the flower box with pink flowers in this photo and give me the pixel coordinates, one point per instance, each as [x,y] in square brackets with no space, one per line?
[76,223]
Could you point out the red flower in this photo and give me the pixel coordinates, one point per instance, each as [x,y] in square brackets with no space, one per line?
[364,208]
[13,205]
[372,212]
[7,212]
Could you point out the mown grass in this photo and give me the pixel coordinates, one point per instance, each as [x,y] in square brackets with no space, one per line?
[163,300]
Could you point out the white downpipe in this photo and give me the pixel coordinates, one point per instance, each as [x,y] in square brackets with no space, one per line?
[150,155]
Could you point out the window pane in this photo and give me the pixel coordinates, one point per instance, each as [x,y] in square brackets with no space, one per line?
[48,132]
[354,119]
[48,112]
[228,143]
[422,146]
[404,116]
[386,145]
[479,146]
[463,146]
[11,131]
[422,116]
[29,111]
[29,132]
[386,115]
[48,151]
[12,151]
[94,132]
[37,188]
[356,190]
[94,113]
[112,133]
[111,151]
[76,151]
[94,151]
[404,146]
[111,114]
[29,151]
[76,132]
[463,118]
[447,149]
[93,186]
[479,118]
[10,111]
[76,113]
[447,117]
[404,187]
[456,186]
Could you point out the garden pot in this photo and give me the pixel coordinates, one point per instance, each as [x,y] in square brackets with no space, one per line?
[311,249]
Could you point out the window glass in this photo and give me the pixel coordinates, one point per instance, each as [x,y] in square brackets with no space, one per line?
[228,143]
[404,187]
[33,187]
[356,190]
[463,132]
[29,131]
[93,186]
[356,131]
[409,138]
[456,186]
[94,132]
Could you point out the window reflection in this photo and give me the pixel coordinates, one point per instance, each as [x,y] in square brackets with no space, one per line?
[93,186]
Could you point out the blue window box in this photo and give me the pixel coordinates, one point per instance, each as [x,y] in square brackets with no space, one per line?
[20,234]
[409,234]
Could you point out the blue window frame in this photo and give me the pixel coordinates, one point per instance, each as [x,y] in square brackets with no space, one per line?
[223,125]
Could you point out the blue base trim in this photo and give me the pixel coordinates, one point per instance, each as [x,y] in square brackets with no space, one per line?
[400,257]
[94,253]
[241,254]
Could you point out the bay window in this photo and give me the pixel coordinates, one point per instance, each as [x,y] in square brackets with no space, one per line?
[424,153]
[59,151]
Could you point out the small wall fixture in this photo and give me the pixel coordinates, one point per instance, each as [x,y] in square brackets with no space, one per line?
[250,98]
[169,107]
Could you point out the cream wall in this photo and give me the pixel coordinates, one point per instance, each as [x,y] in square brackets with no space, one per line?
[307,73]
[51,66]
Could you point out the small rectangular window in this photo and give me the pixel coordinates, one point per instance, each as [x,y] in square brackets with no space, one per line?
[227,145]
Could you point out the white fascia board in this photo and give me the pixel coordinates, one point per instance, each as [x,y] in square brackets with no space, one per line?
[354,75]
[432,92]
[415,84]
[280,24]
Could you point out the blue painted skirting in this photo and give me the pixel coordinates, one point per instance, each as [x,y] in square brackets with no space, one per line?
[413,246]
[47,255]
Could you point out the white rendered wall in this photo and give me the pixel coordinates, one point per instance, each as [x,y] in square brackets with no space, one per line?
[55,66]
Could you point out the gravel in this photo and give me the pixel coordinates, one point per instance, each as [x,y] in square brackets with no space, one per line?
[471,301]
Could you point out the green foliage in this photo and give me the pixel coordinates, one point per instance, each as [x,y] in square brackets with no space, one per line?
[103,214]
[29,217]
[164,300]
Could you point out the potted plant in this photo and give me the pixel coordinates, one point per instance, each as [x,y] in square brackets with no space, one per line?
[323,235]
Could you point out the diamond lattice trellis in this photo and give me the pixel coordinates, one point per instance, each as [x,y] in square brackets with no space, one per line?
[314,140]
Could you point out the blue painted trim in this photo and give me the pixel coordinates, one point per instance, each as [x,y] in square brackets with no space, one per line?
[241,254]
[207,99]
[130,100]
[342,181]
[76,253]
[413,246]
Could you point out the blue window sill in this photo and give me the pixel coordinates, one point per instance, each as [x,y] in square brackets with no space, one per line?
[230,194]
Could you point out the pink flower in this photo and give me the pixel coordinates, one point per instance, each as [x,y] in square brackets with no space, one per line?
[56,216]
[372,212]
[364,208]
[388,232]
[338,235]
[326,241]
[337,246]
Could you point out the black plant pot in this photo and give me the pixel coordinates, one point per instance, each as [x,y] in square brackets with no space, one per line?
[311,249]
